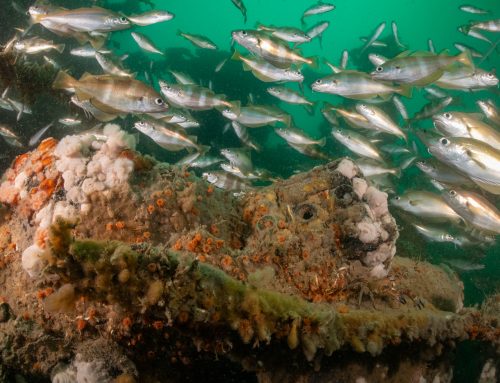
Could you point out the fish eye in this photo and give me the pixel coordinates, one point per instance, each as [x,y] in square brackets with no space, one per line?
[299,72]
[397,198]
[448,115]
[444,141]
[158,101]
[318,81]
[490,75]
[453,193]
[244,33]
[379,69]
[123,19]
[397,67]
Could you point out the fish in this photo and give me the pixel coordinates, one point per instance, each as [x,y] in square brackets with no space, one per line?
[344,59]
[473,9]
[93,20]
[151,17]
[205,161]
[433,107]
[319,8]
[380,120]
[377,59]
[88,51]
[240,158]
[110,67]
[474,33]
[242,133]
[255,116]
[464,265]
[113,94]
[35,139]
[490,110]
[288,95]
[430,44]
[442,173]
[10,137]
[419,68]
[220,65]
[70,121]
[90,109]
[353,118]
[490,25]
[267,72]
[297,137]
[464,78]
[309,150]
[468,125]
[400,106]
[356,85]
[241,6]
[198,40]
[234,170]
[425,205]
[474,209]
[165,136]
[51,62]
[464,48]
[225,181]
[370,168]
[330,115]
[272,50]
[177,116]
[182,78]
[376,43]
[434,234]
[476,159]
[36,45]
[434,92]
[288,34]
[192,96]
[317,31]
[374,36]
[357,144]
[145,43]
[394,27]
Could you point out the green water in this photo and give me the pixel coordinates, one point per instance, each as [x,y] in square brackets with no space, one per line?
[417,22]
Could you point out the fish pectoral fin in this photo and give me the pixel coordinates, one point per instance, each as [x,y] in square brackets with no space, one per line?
[429,79]
[491,187]
[106,108]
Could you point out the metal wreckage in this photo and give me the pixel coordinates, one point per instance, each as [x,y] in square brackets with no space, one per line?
[119,268]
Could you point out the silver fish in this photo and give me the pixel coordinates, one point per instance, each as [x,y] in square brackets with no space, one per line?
[374,37]
[87,51]
[468,125]
[239,157]
[377,59]
[151,17]
[357,144]
[398,103]
[110,67]
[490,110]
[396,37]
[370,168]
[434,234]
[241,6]
[256,116]
[344,59]
[225,181]
[295,136]
[145,43]
[476,159]
[242,133]
[473,9]
[164,136]
[464,78]
[474,209]
[38,135]
[474,33]
[442,173]
[70,121]
[198,40]
[433,107]
[430,44]
[317,31]
[380,120]
[289,34]
[192,96]
[36,45]
[425,205]
[288,95]
[182,78]
[317,9]
[464,48]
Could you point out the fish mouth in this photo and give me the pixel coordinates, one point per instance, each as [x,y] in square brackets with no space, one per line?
[439,124]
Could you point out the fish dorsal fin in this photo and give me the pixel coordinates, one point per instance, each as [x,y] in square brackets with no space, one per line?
[423,54]
[335,69]
[403,54]
[85,75]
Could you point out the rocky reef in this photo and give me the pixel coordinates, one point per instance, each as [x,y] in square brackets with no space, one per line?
[117,268]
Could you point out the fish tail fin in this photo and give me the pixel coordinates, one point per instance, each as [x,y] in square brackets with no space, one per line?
[405,90]
[303,22]
[179,32]
[64,81]
[60,47]
[313,62]
[466,59]
[236,106]
[309,108]
[322,141]
[287,120]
